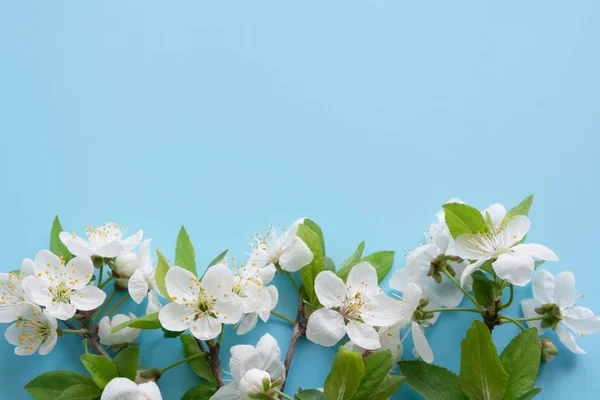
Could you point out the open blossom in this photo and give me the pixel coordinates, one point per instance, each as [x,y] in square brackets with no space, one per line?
[34,329]
[142,283]
[124,389]
[126,335]
[411,297]
[12,292]
[353,308]
[511,260]
[255,370]
[61,288]
[560,292]
[201,305]
[103,241]
[389,337]
[285,250]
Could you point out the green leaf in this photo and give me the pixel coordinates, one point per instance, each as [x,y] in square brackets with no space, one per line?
[171,334]
[218,258]
[484,291]
[185,255]
[482,376]
[346,373]
[354,258]
[309,394]
[50,385]
[80,392]
[387,387]
[149,321]
[101,369]
[521,361]
[309,272]
[531,394]
[377,367]
[199,365]
[431,381]
[522,208]
[162,267]
[328,264]
[56,245]
[538,263]
[200,392]
[312,225]
[127,362]
[462,219]
[382,261]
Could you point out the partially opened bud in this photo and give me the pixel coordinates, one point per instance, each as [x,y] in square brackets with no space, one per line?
[255,381]
[126,264]
[549,350]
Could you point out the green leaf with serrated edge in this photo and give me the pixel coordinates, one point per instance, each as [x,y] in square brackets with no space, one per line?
[199,365]
[309,272]
[346,373]
[216,260]
[481,373]
[354,257]
[462,219]
[15,272]
[522,208]
[149,321]
[382,261]
[81,392]
[328,264]
[432,381]
[531,394]
[387,387]
[484,291]
[162,267]
[310,394]
[101,369]
[377,366]
[127,362]
[521,361]
[56,245]
[316,229]
[171,334]
[200,392]
[50,385]
[185,255]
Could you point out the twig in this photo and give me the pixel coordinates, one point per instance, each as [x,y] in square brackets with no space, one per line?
[215,364]
[298,332]
[92,333]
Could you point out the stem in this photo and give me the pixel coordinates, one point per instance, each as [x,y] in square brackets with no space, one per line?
[294,283]
[117,304]
[220,336]
[434,310]
[283,317]
[108,300]
[110,278]
[298,332]
[76,331]
[529,319]
[86,322]
[462,289]
[510,299]
[283,395]
[514,321]
[215,364]
[190,358]
[100,275]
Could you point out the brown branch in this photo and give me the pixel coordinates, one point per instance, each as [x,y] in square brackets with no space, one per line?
[215,364]
[298,333]
[86,322]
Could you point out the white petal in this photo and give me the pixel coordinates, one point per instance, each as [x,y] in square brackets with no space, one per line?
[132,241]
[243,358]
[218,280]
[144,257]
[138,286]
[206,328]
[445,294]
[61,310]
[564,290]
[543,287]
[466,274]
[514,231]
[422,255]
[150,390]
[363,277]
[120,389]
[568,340]
[294,228]
[88,298]
[267,273]
[363,335]
[400,279]
[229,309]
[47,266]
[178,282]
[79,272]
[529,306]
[515,268]
[381,310]
[153,303]
[536,251]
[269,352]
[76,245]
[389,337]
[581,320]
[110,249]
[497,213]
[467,250]
[295,256]
[410,298]
[27,268]
[37,291]
[47,346]
[330,289]
[227,392]
[247,323]
[421,344]
[12,334]
[176,317]
[325,327]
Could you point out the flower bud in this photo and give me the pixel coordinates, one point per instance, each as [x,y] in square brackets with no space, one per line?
[126,264]
[549,350]
[123,336]
[147,375]
[437,277]
[423,302]
[254,382]
[417,315]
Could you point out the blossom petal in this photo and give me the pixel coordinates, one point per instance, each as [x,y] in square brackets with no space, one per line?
[243,358]
[153,303]
[267,273]
[536,251]
[48,267]
[400,279]
[247,323]
[110,249]
[227,392]
[218,280]
[421,344]
[381,310]
[132,241]
[144,257]
[564,290]
[61,310]
[76,245]
[176,317]
[543,287]
[269,353]
[150,391]
[120,389]
[363,277]
[466,274]
[363,335]
[206,328]
[467,250]
[37,291]
[228,310]
[515,268]
[568,340]
[79,272]
[295,256]
[410,298]
[446,294]
[497,213]
[325,327]
[421,256]
[514,231]
[48,344]
[529,306]
[178,282]
[330,289]
[138,286]
[581,320]
[27,268]
[88,298]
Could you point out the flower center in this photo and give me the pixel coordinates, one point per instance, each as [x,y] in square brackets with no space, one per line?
[60,293]
[103,234]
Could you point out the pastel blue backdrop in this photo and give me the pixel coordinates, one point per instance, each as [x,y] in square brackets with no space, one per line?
[366,116]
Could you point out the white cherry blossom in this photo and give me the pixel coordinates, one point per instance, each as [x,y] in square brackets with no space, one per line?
[142,282]
[62,288]
[12,292]
[126,335]
[353,308]
[124,389]
[202,306]
[389,337]
[411,296]
[34,330]
[561,292]
[102,241]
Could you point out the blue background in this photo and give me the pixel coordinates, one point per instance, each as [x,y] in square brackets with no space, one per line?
[365,116]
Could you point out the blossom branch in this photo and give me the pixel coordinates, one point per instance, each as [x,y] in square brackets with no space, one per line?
[298,332]
[86,323]
[215,364]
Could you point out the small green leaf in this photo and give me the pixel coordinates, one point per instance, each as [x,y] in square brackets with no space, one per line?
[484,291]
[200,392]
[185,255]
[51,385]
[431,381]
[531,394]
[355,257]
[101,369]
[328,264]
[538,263]
[481,373]
[387,387]
[346,373]
[80,392]
[313,226]
[377,366]
[382,261]
[309,272]
[162,267]
[522,208]
[218,258]
[309,394]
[462,219]
[199,365]
[521,361]
[127,362]
[171,334]
[149,321]
[56,245]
